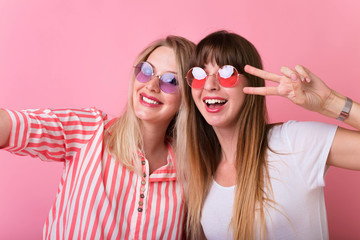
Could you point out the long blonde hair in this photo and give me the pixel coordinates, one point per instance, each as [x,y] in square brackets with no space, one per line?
[124,138]
[199,152]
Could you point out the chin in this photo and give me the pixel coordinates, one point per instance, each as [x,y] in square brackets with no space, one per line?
[214,123]
[140,115]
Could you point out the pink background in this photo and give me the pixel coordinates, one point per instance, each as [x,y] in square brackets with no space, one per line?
[79,54]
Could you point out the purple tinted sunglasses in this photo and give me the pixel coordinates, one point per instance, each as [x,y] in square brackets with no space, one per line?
[168,82]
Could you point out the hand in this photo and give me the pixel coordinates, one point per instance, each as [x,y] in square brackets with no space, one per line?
[301,86]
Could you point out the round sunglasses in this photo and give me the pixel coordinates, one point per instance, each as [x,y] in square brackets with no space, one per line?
[227,76]
[168,82]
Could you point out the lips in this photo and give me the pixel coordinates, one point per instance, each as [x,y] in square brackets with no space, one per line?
[149,100]
[214,104]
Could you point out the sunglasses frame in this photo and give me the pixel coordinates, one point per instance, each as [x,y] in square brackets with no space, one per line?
[153,75]
[216,76]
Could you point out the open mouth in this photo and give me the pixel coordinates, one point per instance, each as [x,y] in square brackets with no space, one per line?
[214,103]
[148,100]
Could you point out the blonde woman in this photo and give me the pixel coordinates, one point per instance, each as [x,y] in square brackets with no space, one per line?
[119,178]
[246,179]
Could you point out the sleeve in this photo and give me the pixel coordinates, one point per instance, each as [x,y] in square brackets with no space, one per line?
[310,144]
[52,135]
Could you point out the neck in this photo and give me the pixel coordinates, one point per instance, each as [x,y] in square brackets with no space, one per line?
[155,146]
[228,140]
[153,136]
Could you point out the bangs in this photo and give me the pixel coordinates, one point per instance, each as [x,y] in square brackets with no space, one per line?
[224,48]
[220,49]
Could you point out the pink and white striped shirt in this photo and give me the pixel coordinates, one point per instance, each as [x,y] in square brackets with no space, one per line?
[98,198]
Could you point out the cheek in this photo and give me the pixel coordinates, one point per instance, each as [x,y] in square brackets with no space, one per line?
[174,101]
[177,100]
[238,89]
[134,87]
[196,96]
[244,81]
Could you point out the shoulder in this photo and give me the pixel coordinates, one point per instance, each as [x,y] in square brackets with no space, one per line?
[296,127]
[68,116]
[301,133]
[67,113]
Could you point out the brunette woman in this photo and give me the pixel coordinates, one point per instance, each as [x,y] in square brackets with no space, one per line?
[246,178]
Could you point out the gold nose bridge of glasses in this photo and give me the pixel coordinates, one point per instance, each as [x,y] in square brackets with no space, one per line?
[216,75]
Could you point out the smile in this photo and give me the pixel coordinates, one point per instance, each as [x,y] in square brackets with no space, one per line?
[215,102]
[145,99]
[149,100]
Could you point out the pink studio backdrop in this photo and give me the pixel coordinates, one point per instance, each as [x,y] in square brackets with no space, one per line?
[80,53]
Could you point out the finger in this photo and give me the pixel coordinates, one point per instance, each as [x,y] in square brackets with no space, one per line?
[310,75]
[298,93]
[288,72]
[264,91]
[262,74]
[303,72]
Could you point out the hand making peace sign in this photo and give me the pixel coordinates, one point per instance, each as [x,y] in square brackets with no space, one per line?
[301,86]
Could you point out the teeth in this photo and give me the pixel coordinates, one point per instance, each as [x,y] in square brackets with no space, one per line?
[147,100]
[214,101]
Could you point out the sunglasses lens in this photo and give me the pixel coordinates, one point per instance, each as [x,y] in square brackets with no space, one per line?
[227,76]
[143,72]
[196,77]
[168,83]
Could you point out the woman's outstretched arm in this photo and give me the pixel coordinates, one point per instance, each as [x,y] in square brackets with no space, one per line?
[5,127]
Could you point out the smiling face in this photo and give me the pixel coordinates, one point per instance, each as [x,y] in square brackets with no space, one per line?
[150,103]
[220,106]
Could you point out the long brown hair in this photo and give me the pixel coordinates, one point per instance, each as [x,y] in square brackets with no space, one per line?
[124,138]
[199,152]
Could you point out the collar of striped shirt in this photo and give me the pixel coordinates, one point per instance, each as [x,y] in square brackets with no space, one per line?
[166,172]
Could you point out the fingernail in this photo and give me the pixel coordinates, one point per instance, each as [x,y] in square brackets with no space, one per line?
[293,77]
[307,79]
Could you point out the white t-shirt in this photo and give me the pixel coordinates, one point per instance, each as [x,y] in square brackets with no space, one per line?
[297,167]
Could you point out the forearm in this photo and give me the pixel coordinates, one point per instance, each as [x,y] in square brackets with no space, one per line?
[5,128]
[334,106]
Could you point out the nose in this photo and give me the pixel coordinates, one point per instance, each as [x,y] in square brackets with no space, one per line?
[211,83]
[153,84]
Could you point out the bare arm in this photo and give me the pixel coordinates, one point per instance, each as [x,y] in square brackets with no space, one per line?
[345,150]
[307,90]
[5,127]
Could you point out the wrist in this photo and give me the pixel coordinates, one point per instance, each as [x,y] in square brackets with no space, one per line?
[334,105]
[346,110]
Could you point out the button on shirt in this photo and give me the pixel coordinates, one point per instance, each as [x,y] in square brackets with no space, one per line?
[98,198]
